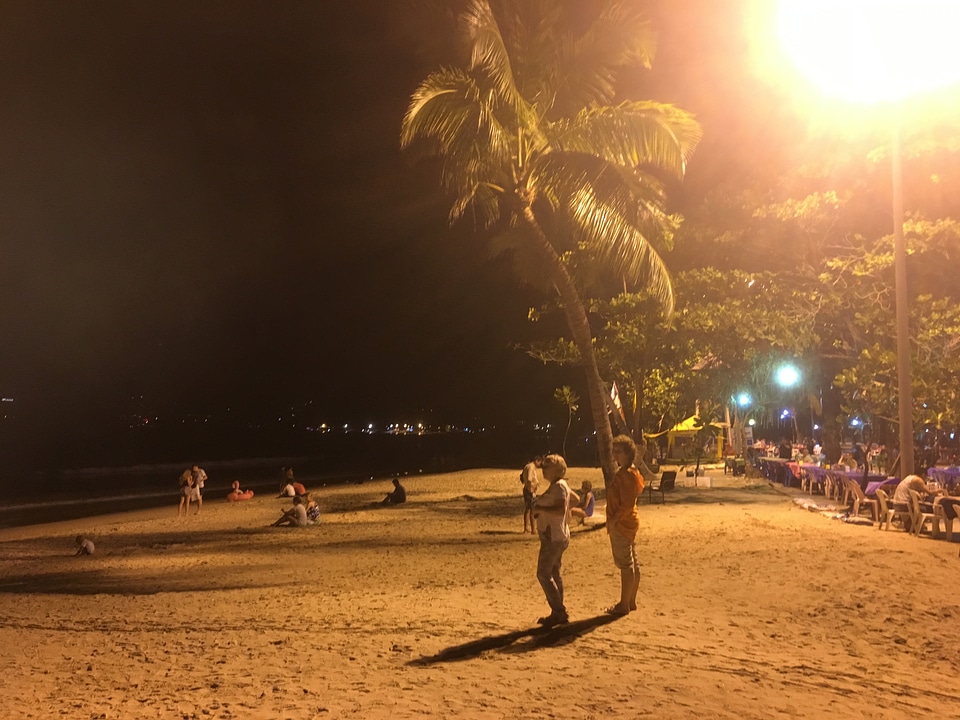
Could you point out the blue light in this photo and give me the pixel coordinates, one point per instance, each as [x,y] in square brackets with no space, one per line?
[743,399]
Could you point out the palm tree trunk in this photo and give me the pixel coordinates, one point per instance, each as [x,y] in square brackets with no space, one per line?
[582,337]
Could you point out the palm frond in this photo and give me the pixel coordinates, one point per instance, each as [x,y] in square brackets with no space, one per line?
[621,36]
[619,212]
[489,55]
[458,116]
[632,134]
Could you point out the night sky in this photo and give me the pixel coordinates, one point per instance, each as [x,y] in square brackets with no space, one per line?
[206,204]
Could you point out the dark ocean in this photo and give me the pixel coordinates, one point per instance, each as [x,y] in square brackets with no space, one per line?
[36,495]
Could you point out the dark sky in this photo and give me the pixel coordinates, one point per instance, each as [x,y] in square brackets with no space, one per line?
[205,203]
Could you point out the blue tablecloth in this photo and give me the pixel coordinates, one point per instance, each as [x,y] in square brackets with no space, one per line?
[946,476]
[873,485]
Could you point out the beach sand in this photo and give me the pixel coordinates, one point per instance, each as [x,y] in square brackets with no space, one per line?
[750,607]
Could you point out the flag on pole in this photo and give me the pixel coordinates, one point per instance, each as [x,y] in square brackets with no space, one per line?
[615,398]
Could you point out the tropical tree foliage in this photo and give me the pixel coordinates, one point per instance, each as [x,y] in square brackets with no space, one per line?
[536,146]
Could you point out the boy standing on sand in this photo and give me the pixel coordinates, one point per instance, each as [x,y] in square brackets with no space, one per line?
[552,513]
[623,522]
[530,477]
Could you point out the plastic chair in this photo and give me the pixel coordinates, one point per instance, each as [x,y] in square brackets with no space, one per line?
[888,512]
[859,499]
[668,481]
[921,518]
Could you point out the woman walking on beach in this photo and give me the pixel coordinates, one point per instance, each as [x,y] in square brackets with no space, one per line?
[186,492]
[623,522]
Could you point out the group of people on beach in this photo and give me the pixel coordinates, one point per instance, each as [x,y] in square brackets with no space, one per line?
[305,510]
[552,510]
[192,481]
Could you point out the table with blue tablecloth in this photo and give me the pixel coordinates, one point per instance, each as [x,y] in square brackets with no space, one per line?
[945,476]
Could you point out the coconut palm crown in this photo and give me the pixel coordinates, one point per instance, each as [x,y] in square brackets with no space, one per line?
[530,143]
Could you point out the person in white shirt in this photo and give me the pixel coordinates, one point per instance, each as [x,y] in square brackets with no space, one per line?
[552,513]
[199,478]
[295,516]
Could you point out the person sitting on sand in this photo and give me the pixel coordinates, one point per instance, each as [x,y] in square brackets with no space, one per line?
[186,492]
[398,496]
[295,516]
[289,487]
[313,510]
[587,500]
[84,546]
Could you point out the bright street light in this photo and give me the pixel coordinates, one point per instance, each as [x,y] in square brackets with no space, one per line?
[870,51]
[743,399]
[867,51]
[787,376]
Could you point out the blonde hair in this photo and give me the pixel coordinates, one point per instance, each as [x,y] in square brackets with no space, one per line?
[554,460]
[626,445]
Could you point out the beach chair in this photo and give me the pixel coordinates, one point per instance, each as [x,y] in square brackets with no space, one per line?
[859,499]
[833,485]
[921,518]
[887,512]
[668,481]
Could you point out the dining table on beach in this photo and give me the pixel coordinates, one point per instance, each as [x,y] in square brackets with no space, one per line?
[814,476]
[864,480]
[875,485]
[944,476]
[780,470]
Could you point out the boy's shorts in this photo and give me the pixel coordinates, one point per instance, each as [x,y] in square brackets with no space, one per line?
[528,497]
[624,551]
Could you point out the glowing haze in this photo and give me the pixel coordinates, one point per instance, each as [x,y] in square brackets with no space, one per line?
[869,51]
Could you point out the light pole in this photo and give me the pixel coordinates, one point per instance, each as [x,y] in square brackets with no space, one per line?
[874,53]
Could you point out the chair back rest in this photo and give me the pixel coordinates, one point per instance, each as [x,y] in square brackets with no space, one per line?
[856,490]
[882,500]
[668,480]
[914,502]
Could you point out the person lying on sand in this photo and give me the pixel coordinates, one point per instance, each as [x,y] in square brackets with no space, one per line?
[84,546]
[295,516]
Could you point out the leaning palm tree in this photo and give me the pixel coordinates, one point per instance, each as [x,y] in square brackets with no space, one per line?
[531,146]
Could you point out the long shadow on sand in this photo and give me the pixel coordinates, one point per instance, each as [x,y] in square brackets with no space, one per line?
[536,638]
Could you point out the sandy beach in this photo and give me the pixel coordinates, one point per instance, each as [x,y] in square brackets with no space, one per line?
[750,607]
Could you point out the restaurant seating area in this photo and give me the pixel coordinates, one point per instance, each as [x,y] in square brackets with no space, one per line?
[867,494]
